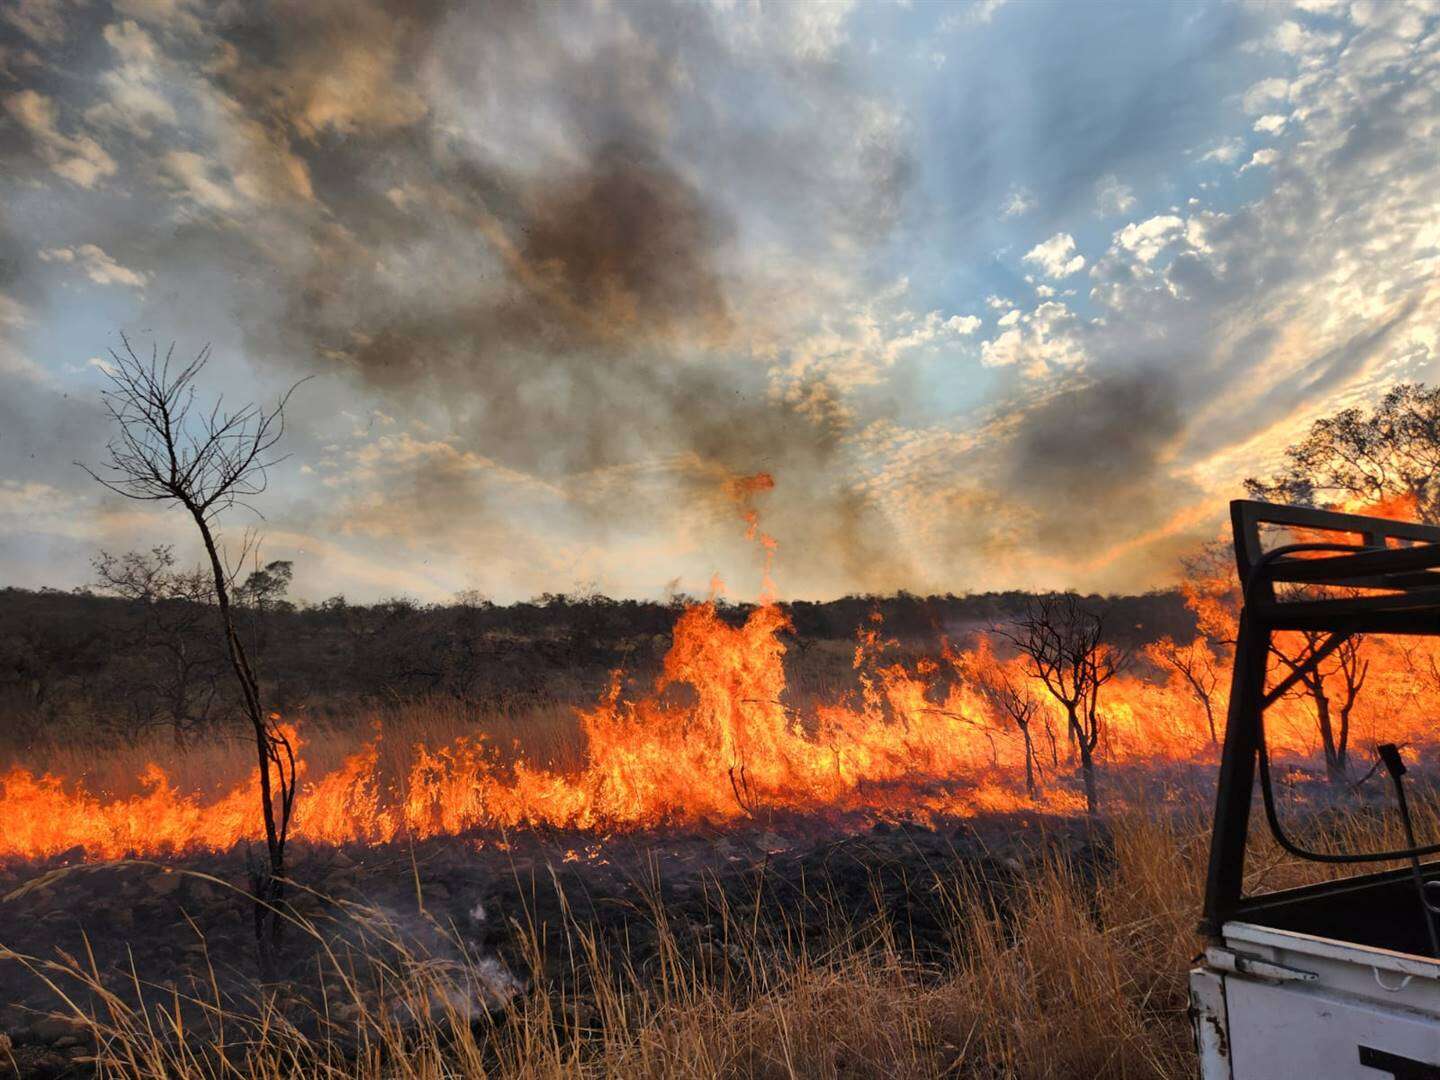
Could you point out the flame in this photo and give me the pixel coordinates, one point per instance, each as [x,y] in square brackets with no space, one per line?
[719,738]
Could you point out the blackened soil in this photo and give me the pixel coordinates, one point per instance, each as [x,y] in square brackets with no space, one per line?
[185,927]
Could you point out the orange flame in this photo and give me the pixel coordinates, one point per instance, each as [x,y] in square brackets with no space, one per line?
[720,738]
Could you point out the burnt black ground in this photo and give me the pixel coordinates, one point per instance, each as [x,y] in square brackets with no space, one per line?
[777,885]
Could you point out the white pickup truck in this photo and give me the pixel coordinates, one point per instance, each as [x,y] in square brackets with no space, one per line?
[1273,1003]
[1339,979]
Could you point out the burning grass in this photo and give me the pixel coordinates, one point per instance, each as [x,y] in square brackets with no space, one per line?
[724,735]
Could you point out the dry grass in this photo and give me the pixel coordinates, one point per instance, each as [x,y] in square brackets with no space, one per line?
[1076,979]
[548,736]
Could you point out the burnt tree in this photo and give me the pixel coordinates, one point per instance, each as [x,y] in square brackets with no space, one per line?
[168,449]
[1063,643]
[1012,698]
[1333,689]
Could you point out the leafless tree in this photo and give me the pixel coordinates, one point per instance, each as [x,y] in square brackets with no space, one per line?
[167,448]
[1012,697]
[1343,674]
[1064,645]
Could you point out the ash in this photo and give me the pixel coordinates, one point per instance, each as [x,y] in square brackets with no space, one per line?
[492,913]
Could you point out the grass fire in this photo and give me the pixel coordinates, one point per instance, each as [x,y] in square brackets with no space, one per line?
[818,538]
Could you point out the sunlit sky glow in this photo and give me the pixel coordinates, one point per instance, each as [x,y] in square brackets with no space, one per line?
[1003,294]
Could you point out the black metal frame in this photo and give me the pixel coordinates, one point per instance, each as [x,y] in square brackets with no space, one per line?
[1397,563]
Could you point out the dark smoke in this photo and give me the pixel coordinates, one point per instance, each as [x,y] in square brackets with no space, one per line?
[1093,456]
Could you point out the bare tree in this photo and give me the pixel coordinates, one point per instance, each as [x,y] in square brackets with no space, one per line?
[1064,646]
[168,449]
[1345,673]
[1013,698]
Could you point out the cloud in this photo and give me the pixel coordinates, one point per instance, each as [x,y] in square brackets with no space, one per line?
[592,262]
[135,94]
[1113,197]
[974,13]
[1017,202]
[1225,152]
[1057,256]
[78,158]
[1046,339]
[98,266]
[1261,159]
[1265,93]
[1146,239]
[42,21]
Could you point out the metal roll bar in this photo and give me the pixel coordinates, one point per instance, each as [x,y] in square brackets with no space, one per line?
[1396,565]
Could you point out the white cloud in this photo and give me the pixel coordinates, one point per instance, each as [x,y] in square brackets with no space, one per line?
[98,266]
[1225,152]
[1261,159]
[191,173]
[1148,238]
[1265,93]
[1019,201]
[134,98]
[78,158]
[1291,37]
[1271,124]
[14,317]
[12,313]
[982,11]
[23,500]
[973,13]
[1039,342]
[1113,197]
[1057,256]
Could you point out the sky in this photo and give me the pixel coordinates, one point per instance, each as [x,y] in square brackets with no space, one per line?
[1002,294]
